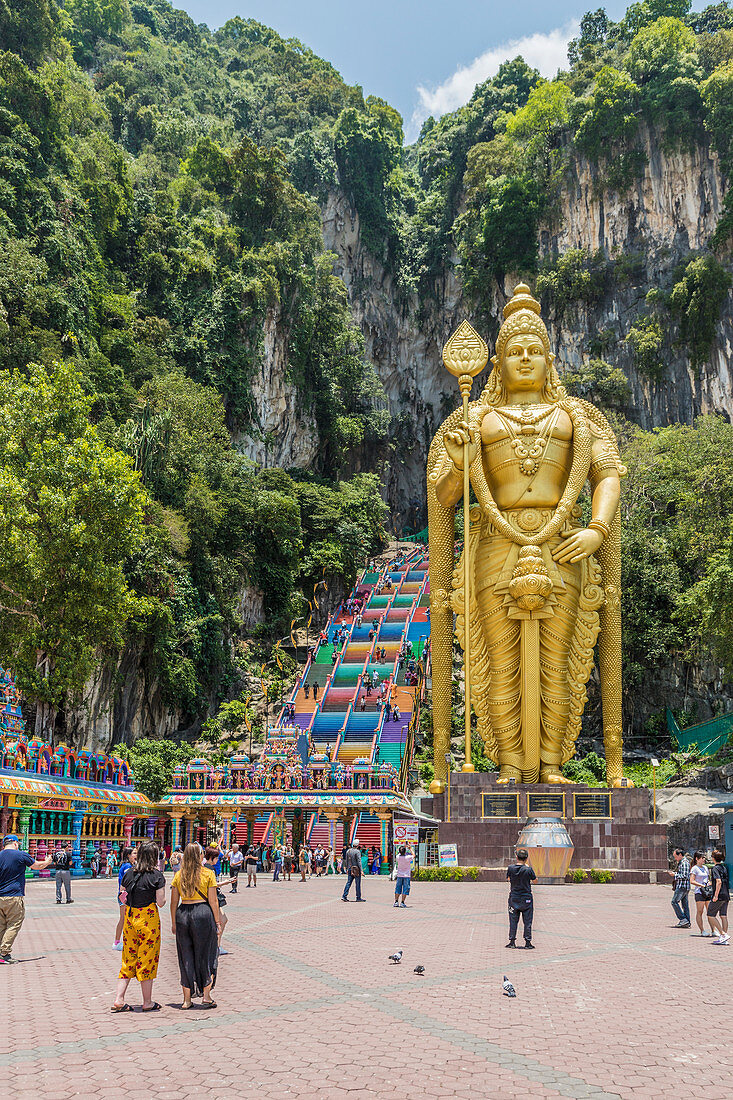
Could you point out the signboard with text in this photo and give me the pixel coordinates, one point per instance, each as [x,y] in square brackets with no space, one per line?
[405,832]
[448,855]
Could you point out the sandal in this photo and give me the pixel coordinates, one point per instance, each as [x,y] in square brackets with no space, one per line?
[208,1004]
[185,1007]
[153,1008]
[121,1008]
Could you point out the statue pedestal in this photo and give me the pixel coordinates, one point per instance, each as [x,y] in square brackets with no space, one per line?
[610,829]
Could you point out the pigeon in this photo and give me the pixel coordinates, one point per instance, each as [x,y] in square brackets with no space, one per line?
[397,957]
[419,970]
[509,990]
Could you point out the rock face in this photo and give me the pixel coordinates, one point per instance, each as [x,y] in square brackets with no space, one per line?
[669,212]
[286,436]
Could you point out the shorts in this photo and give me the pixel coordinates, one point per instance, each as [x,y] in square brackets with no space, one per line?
[288,865]
[402,885]
[718,908]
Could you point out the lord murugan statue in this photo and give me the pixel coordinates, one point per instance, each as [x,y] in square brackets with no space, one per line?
[534,586]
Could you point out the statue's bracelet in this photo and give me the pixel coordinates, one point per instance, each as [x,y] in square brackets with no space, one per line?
[599,526]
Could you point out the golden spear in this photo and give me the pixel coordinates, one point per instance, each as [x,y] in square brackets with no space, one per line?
[465,356]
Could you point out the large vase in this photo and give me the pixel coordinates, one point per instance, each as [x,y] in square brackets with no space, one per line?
[549,845]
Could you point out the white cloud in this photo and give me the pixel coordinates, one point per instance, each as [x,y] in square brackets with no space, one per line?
[546,52]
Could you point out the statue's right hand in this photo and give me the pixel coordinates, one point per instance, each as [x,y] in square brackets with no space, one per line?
[455,443]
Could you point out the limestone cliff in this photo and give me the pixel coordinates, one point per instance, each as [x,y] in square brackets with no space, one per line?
[670,211]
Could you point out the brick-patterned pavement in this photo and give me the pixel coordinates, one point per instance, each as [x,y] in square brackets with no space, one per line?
[614,1002]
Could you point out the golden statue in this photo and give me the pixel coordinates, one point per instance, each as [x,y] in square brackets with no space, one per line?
[541,586]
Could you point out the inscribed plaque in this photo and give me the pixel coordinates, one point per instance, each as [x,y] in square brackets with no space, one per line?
[591,805]
[499,805]
[546,803]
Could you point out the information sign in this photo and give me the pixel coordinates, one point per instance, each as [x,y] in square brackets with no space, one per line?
[448,855]
[591,805]
[405,832]
[499,805]
[546,803]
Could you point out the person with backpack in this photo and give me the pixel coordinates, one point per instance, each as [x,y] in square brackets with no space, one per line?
[718,904]
[62,868]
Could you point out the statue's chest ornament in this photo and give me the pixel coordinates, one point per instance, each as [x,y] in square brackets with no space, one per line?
[529,451]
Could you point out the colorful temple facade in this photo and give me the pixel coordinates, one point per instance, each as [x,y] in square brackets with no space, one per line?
[334,767]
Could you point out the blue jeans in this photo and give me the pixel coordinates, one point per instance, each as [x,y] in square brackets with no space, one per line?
[680,904]
[277,867]
[353,878]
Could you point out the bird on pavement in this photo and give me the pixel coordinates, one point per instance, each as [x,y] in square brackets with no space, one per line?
[419,970]
[509,990]
[396,957]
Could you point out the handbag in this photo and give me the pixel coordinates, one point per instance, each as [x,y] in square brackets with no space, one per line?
[707,891]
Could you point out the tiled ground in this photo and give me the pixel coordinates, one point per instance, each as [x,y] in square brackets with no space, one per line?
[613,1002]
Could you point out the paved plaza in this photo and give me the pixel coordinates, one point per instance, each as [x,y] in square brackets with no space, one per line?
[613,1003]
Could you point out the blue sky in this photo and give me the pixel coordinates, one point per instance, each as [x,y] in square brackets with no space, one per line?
[422,56]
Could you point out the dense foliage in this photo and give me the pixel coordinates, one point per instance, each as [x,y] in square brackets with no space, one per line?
[160,235]
[150,233]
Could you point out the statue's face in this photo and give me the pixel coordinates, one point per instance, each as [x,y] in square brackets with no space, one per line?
[523,365]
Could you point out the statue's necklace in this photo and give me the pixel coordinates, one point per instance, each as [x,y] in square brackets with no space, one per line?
[529,454]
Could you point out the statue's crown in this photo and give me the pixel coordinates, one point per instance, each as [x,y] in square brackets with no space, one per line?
[521,299]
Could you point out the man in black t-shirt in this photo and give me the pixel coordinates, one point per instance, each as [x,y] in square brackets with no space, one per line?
[718,906]
[520,876]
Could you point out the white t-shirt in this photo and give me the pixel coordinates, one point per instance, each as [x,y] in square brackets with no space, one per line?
[236,858]
[698,876]
[404,866]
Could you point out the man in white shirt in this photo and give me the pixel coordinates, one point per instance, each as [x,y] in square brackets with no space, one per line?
[236,859]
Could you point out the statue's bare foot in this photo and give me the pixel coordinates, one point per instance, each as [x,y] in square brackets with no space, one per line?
[507,772]
[552,774]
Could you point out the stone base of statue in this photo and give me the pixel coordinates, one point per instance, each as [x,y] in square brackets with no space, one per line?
[607,829]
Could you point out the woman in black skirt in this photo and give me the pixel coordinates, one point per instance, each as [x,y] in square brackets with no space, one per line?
[195,921]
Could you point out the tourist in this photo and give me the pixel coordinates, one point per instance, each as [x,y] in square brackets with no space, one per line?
[129,855]
[362,701]
[143,892]
[303,862]
[225,866]
[13,866]
[520,876]
[195,921]
[250,866]
[396,715]
[368,686]
[334,657]
[352,863]
[700,879]
[318,860]
[236,859]
[176,859]
[289,855]
[277,863]
[315,690]
[330,866]
[403,877]
[375,678]
[111,862]
[94,863]
[681,885]
[62,869]
[376,861]
[718,904]
[306,689]
[161,859]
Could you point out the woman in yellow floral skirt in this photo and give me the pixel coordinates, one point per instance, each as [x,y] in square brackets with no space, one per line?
[144,888]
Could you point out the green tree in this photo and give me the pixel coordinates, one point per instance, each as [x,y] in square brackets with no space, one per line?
[537,125]
[153,762]
[663,61]
[696,300]
[71,510]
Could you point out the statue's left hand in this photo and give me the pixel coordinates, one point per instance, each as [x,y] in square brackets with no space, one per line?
[576,545]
